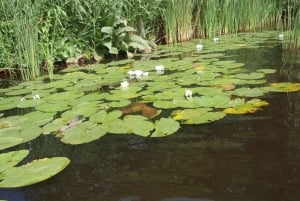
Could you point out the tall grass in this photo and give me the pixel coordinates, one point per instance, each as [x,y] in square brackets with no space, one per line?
[22,26]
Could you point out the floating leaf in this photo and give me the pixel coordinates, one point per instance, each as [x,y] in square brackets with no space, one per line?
[138,125]
[6,142]
[250,76]
[55,125]
[10,159]
[266,71]
[120,103]
[116,126]
[249,92]
[9,102]
[38,118]
[102,116]
[217,101]
[26,103]
[34,172]
[197,116]
[165,127]
[63,96]
[26,132]
[283,87]
[249,107]
[186,103]
[82,133]
[53,107]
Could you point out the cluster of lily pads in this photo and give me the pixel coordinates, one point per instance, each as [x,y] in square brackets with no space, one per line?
[149,98]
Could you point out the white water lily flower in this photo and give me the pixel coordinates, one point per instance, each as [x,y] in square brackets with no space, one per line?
[216,40]
[145,74]
[159,68]
[138,73]
[124,84]
[280,37]
[131,74]
[199,47]
[36,97]
[188,93]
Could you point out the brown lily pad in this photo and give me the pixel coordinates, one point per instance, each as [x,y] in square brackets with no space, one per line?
[143,108]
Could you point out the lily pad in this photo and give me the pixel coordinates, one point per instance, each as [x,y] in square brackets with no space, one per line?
[217,101]
[283,87]
[63,96]
[197,116]
[82,133]
[7,142]
[31,173]
[250,106]
[27,103]
[10,159]
[138,125]
[249,92]
[250,76]
[53,107]
[38,118]
[116,126]
[9,102]
[266,71]
[55,125]
[165,127]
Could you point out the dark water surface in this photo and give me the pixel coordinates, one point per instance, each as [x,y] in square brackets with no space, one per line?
[252,157]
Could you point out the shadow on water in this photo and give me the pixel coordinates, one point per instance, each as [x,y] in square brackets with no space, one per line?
[241,158]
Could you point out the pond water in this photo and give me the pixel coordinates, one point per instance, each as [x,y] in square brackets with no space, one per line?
[250,157]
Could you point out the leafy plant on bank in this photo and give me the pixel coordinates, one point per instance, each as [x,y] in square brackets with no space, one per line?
[118,38]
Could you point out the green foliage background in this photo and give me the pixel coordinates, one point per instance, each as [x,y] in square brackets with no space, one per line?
[34,34]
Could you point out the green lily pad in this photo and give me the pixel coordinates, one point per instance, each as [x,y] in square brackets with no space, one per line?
[85,109]
[250,76]
[164,104]
[266,71]
[249,92]
[102,116]
[20,92]
[197,116]
[118,104]
[55,125]
[63,96]
[138,125]
[26,132]
[38,118]
[186,103]
[82,133]
[53,107]
[121,94]
[7,142]
[31,173]
[165,127]
[10,159]
[9,102]
[116,126]
[217,101]
[26,103]
[55,84]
